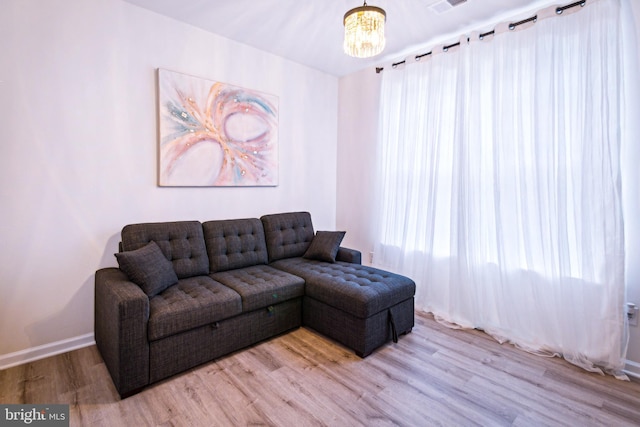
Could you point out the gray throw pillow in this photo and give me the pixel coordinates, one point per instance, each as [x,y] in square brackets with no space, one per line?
[325,245]
[148,268]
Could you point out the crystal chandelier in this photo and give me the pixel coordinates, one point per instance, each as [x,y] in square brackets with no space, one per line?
[364,31]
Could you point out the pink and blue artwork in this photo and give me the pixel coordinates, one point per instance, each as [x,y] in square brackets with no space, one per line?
[215,134]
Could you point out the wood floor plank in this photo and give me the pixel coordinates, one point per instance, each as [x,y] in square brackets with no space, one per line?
[12,384]
[432,376]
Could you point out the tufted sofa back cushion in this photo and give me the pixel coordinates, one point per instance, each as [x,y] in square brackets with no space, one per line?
[181,242]
[234,243]
[287,235]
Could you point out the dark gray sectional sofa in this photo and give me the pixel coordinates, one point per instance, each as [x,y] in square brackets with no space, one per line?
[189,292]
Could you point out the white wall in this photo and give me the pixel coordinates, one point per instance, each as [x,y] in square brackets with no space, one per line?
[357,136]
[78,149]
[359,100]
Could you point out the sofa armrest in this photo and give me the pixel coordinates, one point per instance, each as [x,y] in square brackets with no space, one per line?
[349,255]
[121,318]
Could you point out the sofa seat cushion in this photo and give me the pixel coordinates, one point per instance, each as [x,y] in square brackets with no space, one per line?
[192,302]
[261,286]
[356,289]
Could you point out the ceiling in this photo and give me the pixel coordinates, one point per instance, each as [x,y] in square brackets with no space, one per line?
[311,32]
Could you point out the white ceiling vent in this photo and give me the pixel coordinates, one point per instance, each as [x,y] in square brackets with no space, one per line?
[445,5]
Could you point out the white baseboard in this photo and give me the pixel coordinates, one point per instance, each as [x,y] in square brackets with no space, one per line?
[632,369]
[40,352]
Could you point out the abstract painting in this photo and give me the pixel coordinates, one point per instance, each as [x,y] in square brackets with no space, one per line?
[215,134]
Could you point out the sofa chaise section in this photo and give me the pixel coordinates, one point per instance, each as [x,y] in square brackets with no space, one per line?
[359,306]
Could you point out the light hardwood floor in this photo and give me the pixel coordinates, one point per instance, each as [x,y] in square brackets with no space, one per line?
[433,376]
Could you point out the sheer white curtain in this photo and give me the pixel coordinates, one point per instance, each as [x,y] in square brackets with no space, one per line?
[500,185]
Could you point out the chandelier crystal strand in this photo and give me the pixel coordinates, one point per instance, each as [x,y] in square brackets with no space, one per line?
[364,31]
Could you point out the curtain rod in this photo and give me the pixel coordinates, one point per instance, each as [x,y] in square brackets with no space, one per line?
[512,26]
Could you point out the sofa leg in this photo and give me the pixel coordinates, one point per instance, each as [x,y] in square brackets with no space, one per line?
[131,393]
